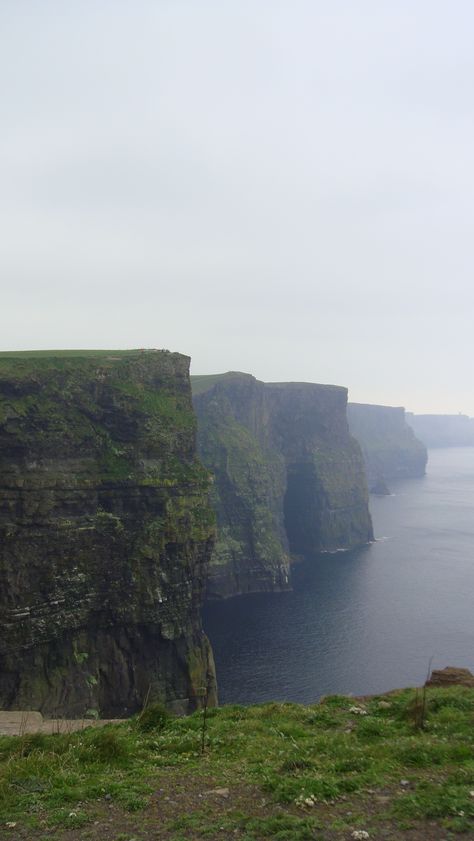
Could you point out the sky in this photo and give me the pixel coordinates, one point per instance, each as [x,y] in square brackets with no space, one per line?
[283,188]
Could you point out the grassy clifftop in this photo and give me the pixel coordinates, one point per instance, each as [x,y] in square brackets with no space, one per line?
[277,771]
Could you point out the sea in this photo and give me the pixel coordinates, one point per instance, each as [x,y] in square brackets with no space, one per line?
[368,620]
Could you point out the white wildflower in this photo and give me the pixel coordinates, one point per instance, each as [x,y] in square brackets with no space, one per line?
[306,800]
[358,710]
[360,835]
[11,824]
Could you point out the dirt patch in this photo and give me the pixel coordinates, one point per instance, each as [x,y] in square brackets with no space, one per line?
[193,807]
[19,722]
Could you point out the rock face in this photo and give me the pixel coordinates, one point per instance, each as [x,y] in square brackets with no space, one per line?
[443,430]
[105,534]
[234,442]
[288,478]
[451,676]
[389,445]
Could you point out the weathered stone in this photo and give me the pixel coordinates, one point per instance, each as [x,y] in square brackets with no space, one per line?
[105,534]
[450,676]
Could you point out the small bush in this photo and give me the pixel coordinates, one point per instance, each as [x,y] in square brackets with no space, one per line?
[105,745]
[154,717]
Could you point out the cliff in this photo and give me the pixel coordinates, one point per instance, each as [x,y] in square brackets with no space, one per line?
[326,501]
[443,430]
[287,477]
[389,445]
[251,551]
[106,532]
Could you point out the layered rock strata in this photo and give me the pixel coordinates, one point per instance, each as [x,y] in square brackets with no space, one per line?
[288,478]
[105,534]
[389,446]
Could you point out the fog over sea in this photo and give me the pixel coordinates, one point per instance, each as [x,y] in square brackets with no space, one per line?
[369,620]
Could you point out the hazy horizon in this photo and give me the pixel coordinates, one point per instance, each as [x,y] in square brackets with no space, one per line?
[283,189]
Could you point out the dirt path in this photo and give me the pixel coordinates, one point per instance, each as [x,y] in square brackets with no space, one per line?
[19,722]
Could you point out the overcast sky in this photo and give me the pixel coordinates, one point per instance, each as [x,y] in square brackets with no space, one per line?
[279,187]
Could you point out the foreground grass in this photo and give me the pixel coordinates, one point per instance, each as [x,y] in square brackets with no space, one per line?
[281,771]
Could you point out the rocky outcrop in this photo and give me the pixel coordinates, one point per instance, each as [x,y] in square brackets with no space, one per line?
[105,534]
[443,430]
[389,446]
[288,478]
[451,676]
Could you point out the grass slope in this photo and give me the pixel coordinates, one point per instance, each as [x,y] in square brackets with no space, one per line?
[274,771]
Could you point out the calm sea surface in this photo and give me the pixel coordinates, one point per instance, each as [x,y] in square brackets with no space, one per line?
[369,620]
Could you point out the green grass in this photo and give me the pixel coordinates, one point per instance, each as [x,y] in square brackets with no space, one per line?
[302,761]
[201,383]
[87,352]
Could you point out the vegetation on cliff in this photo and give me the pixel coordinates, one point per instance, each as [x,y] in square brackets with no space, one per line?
[106,531]
[249,483]
[275,771]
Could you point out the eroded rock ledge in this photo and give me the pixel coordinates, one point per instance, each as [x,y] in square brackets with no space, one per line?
[105,534]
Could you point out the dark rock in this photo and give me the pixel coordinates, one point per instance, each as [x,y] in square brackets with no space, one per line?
[234,442]
[380,488]
[105,534]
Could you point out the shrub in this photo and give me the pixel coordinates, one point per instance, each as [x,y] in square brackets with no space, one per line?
[153,717]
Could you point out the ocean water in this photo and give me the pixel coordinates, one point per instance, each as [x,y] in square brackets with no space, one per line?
[369,620]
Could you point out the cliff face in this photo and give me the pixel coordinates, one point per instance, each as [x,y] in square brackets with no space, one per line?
[443,430]
[288,477]
[105,534]
[326,501]
[389,445]
[249,485]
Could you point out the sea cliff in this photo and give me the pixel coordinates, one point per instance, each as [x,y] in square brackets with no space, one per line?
[106,533]
[389,445]
[443,430]
[288,478]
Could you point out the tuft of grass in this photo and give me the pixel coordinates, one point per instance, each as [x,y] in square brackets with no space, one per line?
[153,717]
[105,745]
